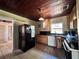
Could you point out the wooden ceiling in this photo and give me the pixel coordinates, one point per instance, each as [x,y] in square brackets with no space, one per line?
[31,8]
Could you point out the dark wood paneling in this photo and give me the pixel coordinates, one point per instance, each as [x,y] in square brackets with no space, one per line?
[29,8]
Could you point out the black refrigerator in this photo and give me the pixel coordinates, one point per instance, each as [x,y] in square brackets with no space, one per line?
[26,41]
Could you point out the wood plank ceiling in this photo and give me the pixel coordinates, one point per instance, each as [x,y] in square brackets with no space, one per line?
[31,8]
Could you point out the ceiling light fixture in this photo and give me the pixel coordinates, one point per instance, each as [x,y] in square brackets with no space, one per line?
[41,15]
[41,18]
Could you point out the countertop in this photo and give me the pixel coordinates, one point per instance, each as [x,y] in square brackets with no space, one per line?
[61,35]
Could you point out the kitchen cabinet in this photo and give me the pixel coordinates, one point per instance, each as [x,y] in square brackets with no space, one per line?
[59,41]
[47,40]
[42,39]
[50,40]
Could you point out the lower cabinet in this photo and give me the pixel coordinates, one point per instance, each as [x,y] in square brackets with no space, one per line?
[59,41]
[42,39]
[50,40]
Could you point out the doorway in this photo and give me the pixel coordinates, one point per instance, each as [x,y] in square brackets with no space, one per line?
[6,37]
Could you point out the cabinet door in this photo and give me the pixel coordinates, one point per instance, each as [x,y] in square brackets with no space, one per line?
[59,42]
[42,39]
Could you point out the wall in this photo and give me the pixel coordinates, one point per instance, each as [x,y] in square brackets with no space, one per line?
[17,18]
[47,23]
[77,7]
[17,21]
[71,18]
[62,19]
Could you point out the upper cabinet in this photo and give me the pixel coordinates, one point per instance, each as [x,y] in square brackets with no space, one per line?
[44,25]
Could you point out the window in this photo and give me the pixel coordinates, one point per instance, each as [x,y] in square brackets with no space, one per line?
[57,28]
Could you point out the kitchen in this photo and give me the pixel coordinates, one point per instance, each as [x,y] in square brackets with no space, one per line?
[52,21]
